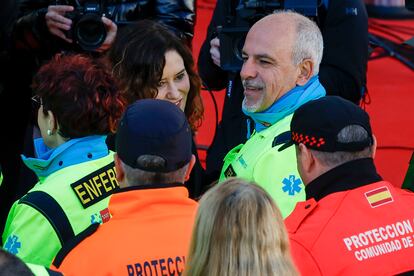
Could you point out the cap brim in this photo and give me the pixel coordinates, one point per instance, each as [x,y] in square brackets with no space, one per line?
[286,145]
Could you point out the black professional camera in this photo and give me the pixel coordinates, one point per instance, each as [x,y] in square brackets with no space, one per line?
[233,34]
[88,30]
[409,4]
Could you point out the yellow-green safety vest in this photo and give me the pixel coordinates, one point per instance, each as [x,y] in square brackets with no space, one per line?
[59,207]
[259,160]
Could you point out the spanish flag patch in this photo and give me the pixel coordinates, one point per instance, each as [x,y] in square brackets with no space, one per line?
[379,197]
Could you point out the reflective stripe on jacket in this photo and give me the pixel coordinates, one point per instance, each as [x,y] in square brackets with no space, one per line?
[81,193]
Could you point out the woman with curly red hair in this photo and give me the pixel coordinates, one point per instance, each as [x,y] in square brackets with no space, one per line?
[79,104]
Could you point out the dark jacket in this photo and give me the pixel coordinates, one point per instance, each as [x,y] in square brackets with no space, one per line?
[344,27]
[31,31]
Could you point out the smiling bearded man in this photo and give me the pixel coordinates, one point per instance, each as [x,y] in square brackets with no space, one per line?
[281,58]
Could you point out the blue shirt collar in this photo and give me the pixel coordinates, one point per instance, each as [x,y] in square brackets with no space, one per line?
[287,104]
[72,152]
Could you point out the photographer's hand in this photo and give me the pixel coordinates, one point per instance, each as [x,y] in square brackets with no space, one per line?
[56,21]
[111,30]
[215,51]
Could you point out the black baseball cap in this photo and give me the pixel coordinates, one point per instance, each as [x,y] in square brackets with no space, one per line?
[317,123]
[157,128]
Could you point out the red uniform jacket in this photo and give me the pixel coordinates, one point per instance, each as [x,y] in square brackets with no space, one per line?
[148,234]
[367,229]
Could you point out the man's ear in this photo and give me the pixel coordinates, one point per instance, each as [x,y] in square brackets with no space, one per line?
[306,159]
[190,167]
[119,170]
[306,68]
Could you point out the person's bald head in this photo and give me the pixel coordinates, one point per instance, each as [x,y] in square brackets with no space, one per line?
[303,33]
[275,27]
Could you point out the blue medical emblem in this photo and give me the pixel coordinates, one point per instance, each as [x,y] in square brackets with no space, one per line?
[12,244]
[291,185]
[96,218]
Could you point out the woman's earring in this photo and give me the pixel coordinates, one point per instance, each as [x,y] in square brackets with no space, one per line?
[49,132]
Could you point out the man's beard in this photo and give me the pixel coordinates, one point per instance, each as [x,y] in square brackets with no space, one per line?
[252,108]
[256,106]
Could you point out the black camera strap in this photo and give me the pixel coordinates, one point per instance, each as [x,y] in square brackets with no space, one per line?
[232,77]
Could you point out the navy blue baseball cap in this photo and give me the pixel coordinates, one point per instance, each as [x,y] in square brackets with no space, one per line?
[316,124]
[153,127]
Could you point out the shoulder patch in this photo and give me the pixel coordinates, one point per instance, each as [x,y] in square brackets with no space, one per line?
[379,196]
[96,186]
[229,172]
[67,247]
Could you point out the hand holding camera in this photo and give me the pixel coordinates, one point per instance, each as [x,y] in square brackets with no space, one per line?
[56,21]
[85,25]
[233,33]
[111,30]
[215,51]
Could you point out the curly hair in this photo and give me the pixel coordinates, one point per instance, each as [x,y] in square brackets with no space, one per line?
[138,60]
[81,93]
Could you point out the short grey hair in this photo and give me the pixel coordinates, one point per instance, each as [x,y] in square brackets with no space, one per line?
[309,41]
[349,134]
[137,177]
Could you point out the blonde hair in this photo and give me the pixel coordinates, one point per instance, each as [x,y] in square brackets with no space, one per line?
[238,231]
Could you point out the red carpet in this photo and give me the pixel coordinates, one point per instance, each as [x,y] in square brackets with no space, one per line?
[391,105]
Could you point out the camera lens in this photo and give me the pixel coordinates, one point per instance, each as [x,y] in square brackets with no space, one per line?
[238,47]
[90,32]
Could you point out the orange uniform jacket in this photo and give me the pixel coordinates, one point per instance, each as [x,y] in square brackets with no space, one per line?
[149,234]
[365,230]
